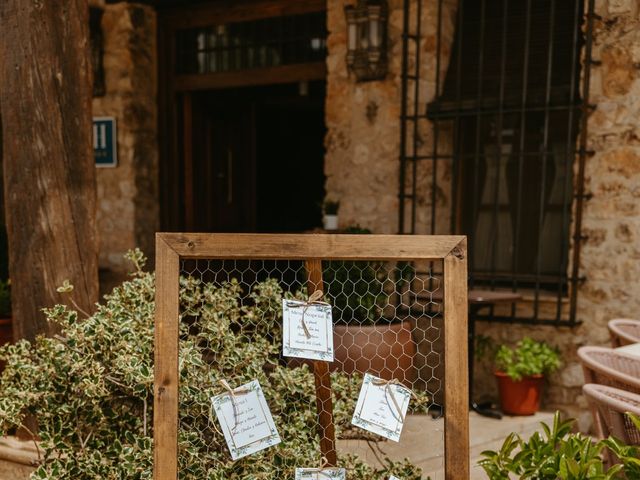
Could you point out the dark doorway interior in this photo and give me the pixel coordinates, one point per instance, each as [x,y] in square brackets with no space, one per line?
[254,160]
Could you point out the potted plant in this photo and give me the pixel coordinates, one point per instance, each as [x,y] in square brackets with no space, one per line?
[365,339]
[520,375]
[330,214]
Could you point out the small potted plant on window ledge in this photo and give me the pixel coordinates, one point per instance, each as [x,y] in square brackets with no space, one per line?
[520,374]
[330,214]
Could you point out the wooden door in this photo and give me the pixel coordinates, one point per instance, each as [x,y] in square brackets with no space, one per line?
[219,165]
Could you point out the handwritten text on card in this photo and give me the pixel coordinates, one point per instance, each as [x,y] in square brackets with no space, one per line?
[382,407]
[307,330]
[246,420]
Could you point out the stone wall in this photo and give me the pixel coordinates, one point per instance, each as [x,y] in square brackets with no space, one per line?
[362,169]
[128,193]
[362,162]
[610,255]
[363,138]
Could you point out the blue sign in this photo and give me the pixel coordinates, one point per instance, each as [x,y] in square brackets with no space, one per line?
[105,151]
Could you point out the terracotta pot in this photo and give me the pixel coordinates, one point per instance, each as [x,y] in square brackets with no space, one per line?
[522,397]
[385,350]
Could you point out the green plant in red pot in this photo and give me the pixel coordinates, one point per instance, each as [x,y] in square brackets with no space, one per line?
[520,374]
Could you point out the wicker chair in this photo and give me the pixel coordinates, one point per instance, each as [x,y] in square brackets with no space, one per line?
[624,331]
[608,407]
[607,366]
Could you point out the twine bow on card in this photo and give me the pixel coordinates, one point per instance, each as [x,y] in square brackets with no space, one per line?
[314,299]
[388,393]
[323,467]
[233,393]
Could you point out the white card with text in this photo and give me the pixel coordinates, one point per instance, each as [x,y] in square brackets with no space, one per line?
[391,477]
[307,330]
[246,420]
[320,474]
[381,407]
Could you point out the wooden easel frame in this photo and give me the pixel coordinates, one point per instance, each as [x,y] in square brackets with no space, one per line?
[173,247]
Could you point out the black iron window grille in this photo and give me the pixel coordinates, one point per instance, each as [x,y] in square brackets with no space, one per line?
[263,43]
[496,150]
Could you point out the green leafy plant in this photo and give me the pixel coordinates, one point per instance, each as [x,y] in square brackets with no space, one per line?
[330,207]
[356,290]
[91,386]
[5,298]
[558,454]
[528,358]
[628,455]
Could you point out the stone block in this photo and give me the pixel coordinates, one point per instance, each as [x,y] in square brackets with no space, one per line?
[622,7]
[618,70]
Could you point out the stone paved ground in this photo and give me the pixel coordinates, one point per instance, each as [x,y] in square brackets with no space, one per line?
[422,440]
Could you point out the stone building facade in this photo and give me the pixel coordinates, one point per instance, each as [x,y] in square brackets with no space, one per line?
[611,217]
[361,161]
[128,206]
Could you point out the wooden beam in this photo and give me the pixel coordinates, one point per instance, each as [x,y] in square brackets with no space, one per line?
[456,384]
[165,410]
[231,11]
[187,151]
[324,402]
[304,246]
[251,77]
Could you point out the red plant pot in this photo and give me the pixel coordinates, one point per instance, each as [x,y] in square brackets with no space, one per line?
[521,397]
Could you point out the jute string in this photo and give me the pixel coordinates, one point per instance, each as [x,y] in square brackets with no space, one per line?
[233,393]
[388,393]
[321,470]
[314,299]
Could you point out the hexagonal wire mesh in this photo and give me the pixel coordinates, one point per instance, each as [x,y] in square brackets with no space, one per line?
[387,322]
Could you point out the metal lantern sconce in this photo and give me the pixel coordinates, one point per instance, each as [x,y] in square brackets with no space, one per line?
[367,39]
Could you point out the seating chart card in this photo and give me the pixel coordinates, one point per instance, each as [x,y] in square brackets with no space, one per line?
[320,474]
[382,407]
[246,420]
[307,330]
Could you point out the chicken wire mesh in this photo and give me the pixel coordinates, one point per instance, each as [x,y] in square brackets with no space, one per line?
[387,321]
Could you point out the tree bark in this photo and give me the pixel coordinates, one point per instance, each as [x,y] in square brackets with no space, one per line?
[49,174]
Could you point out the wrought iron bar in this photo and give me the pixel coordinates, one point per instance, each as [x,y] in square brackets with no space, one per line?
[508,89]
[577,231]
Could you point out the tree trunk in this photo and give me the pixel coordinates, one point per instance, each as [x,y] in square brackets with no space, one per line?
[49,175]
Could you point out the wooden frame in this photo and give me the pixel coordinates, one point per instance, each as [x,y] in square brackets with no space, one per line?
[172,247]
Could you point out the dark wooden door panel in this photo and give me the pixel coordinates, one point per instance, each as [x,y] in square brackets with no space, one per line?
[223,173]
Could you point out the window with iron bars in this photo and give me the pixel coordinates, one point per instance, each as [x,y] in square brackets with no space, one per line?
[497,151]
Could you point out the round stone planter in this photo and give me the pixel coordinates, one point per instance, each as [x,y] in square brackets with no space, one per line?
[385,350]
